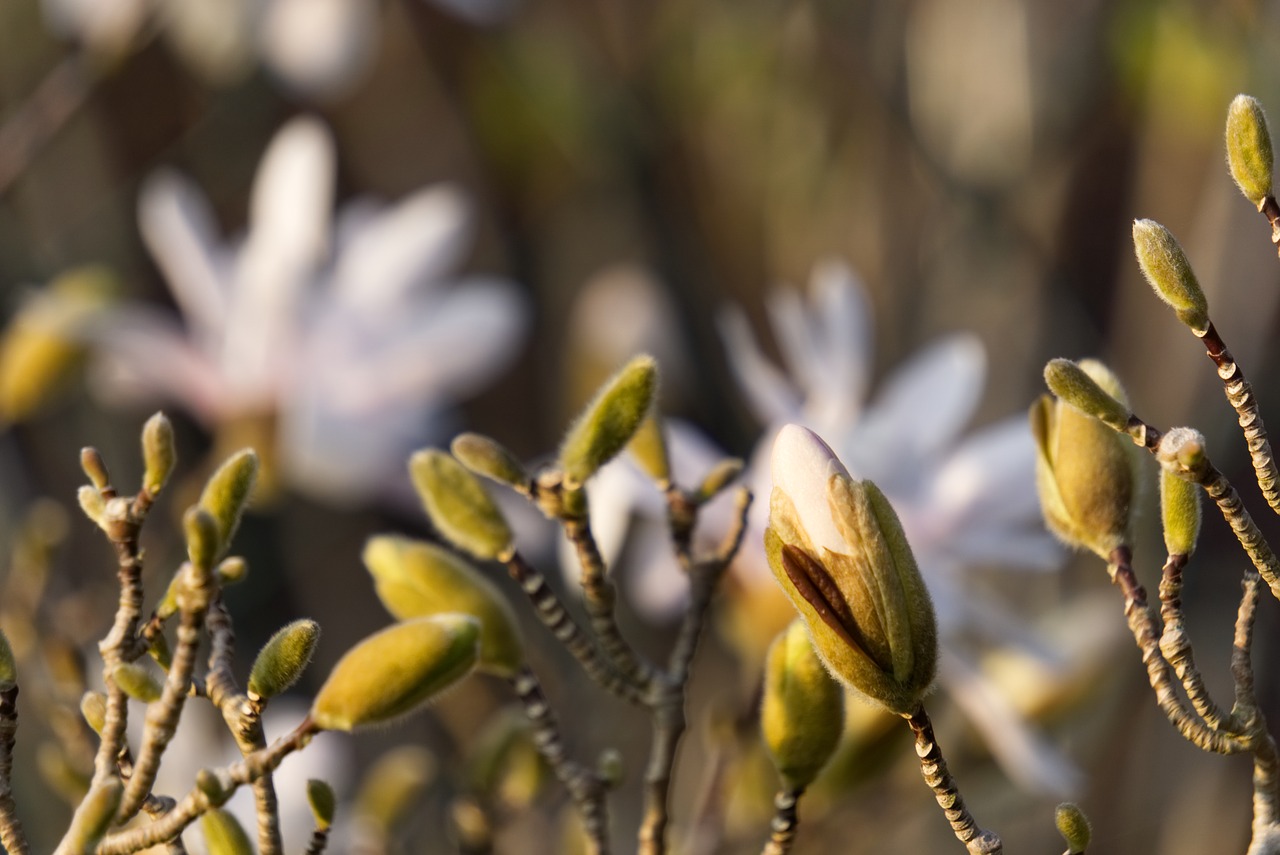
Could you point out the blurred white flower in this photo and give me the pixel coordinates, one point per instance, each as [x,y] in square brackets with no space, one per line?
[964,501]
[349,337]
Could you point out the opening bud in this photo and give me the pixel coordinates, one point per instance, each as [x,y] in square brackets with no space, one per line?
[802,711]
[283,658]
[1166,268]
[610,420]
[458,505]
[1249,149]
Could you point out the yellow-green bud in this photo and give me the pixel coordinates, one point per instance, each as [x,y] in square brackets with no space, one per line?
[93,818]
[231,570]
[649,449]
[1167,270]
[837,549]
[610,421]
[1180,512]
[322,801]
[158,453]
[1249,149]
[393,672]
[720,476]
[394,783]
[1084,470]
[93,706]
[203,537]
[414,578]
[92,503]
[458,505]
[1074,386]
[227,492]
[8,666]
[505,765]
[223,834]
[485,456]
[95,467]
[283,658]
[137,682]
[1073,825]
[159,651]
[802,711]
[208,783]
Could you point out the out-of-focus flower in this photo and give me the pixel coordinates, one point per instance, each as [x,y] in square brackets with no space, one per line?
[347,342]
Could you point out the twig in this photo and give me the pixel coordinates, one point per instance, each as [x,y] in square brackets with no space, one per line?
[934,768]
[783,826]
[1175,646]
[12,838]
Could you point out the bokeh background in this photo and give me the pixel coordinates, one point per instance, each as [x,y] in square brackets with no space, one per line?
[632,168]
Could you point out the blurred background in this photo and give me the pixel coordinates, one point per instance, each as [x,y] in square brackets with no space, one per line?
[338,230]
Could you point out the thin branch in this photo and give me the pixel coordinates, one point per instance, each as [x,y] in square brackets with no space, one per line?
[945,790]
[782,828]
[12,837]
[1175,646]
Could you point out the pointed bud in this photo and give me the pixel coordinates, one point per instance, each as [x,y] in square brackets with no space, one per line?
[393,672]
[159,652]
[1180,512]
[93,706]
[837,549]
[649,449]
[8,666]
[1249,149]
[208,783]
[609,421]
[223,834]
[322,801]
[93,818]
[283,658]
[158,453]
[203,537]
[720,476]
[227,493]
[802,711]
[94,467]
[1169,273]
[458,505]
[231,570]
[137,682]
[1075,387]
[414,579]
[1073,825]
[92,503]
[486,457]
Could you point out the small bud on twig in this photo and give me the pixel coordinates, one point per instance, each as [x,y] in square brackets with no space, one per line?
[1249,149]
[283,658]
[1166,268]
[609,421]
[458,505]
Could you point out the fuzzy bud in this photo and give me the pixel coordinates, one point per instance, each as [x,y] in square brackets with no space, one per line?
[485,456]
[1180,512]
[93,818]
[137,681]
[92,503]
[231,570]
[227,492]
[458,505]
[1073,825]
[93,706]
[1167,270]
[95,468]
[720,476]
[283,658]
[1075,387]
[203,538]
[158,453]
[802,712]
[610,421]
[1249,149]
[223,834]
[323,802]
[649,450]
[393,672]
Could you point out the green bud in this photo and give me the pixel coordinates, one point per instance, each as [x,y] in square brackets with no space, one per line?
[158,453]
[159,651]
[322,801]
[93,818]
[1249,149]
[283,658]
[837,549]
[1075,387]
[1180,512]
[137,682]
[227,492]
[1085,471]
[231,570]
[1073,825]
[93,706]
[95,468]
[92,503]
[649,449]
[485,456]
[458,505]
[203,537]
[802,711]
[396,781]
[208,783]
[223,834]
[8,666]
[395,671]
[1167,270]
[720,476]
[610,420]
[414,579]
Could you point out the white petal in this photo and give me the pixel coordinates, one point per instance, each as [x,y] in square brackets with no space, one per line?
[318,48]
[797,338]
[990,476]
[293,190]
[801,466]
[769,394]
[844,340]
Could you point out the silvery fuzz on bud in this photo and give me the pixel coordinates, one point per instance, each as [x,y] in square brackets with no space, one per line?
[1167,270]
[414,578]
[1084,469]
[837,549]
[802,709]
[227,492]
[1075,386]
[158,453]
[8,666]
[1073,825]
[458,505]
[1249,149]
[393,672]
[93,818]
[283,658]
[1180,513]
[223,834]
[323,802]
[485,456]
[610,421]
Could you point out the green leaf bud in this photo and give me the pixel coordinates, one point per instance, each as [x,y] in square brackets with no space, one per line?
[158,453]
[458,505]
[1249,149]
[208,783]
[223,834]
[610,420]
[394,783]
[837,549]
[93,706]
[485,456]
[8,666]
[95,468]
[93,818]
[395,671]
[720,476]
[92,503]
[137,682]
[648,447]
[231,570]
[802,711]
[1073,386]
[283,658]
[414,579]
[203,537]
[1073,825]
[159,651]
[1166,268]
[322,801]
[1180,512]
[227,493]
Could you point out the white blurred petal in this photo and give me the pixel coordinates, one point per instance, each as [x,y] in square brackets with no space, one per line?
[656,585]
[770,395]
[797,339]
[318,48]
[990,475]
[844,334]
[610,493]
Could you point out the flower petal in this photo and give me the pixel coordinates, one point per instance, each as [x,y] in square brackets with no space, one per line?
[769,393]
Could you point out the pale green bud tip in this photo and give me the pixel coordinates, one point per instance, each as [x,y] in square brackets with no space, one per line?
[93,706]
[137,682]
[1249,149]
[283,658]
[8,667]
[1076,388]
[158,453]
[1166,268]
[203,539]
[649,449]
[487,457]
[393,672]
[322,801]
[94,816]
[227,492]
[458,505]
[223,834]
[610,420]
[1073,825]
[802,710]
[1180,510]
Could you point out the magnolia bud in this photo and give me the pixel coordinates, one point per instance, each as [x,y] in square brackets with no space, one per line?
[8,667]
[802,712]
[227,492]
[137,682]
[1249,149]
[485,456]
[1180,512]
[1167,270]
[322,801]
[720,476]
[458,505]
[393,672]
[223,834]
[93,817]
[1075,387]
[610,420]
[393,784]
[95,467]
[92,503]
[1084,469]
[838,550]
[283,658]
[414,579]
[203,539]
[649,449]
[1073,825]
[93,706]
[158,453]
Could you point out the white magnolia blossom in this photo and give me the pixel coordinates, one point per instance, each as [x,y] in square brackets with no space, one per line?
[964,500]
[351,336]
